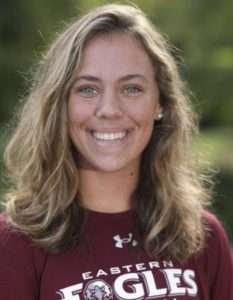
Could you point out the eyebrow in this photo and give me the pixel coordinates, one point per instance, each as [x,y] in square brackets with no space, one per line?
[124,78]
[133,76]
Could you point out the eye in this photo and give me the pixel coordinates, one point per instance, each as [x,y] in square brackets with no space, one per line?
[86,91]
[132,90]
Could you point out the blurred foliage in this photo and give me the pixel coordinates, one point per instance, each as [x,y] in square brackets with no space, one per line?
[214,149]
[215,145]
[199,29]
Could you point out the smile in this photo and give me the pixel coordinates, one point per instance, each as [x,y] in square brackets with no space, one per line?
[109,136]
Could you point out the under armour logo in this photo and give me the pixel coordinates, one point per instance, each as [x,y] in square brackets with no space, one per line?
[126,240]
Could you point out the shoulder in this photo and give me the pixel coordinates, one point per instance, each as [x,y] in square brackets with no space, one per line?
[216,236]
[19,257]
[215,262]
[12,240]
[15,246]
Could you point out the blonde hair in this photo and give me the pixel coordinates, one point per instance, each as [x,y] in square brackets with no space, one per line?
[170,197]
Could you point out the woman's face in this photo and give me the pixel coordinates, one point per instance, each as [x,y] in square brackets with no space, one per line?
[112,104]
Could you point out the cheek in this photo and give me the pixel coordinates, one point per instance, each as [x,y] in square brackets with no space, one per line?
[75,122]
[72,111]
[144,110]
[146,124]
[144,117]
[77,113]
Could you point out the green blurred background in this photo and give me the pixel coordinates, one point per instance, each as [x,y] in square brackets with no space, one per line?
[202,31]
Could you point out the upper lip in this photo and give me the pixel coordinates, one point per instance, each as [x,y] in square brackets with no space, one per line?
[109,130]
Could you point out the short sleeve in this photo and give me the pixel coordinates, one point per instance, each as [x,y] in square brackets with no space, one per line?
[18,275]
[219,261]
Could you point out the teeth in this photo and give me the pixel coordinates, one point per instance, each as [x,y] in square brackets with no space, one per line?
[109,136]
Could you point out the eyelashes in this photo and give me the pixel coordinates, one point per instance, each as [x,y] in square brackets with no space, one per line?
[87,91]
[132,89]
[90,91]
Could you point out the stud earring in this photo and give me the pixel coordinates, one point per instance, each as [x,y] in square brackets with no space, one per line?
[159,116]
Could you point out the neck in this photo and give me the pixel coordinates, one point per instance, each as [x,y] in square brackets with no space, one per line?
[105,191]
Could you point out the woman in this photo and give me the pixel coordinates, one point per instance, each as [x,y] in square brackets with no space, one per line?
[106,202]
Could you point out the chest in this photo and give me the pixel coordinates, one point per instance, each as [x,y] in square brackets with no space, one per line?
[112,267]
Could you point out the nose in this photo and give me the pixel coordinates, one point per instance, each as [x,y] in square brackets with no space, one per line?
[109,106]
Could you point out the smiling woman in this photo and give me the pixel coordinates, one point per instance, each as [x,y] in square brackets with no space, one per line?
[106,200]
[112,107]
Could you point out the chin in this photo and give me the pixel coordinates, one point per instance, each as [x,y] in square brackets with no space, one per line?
[108,168]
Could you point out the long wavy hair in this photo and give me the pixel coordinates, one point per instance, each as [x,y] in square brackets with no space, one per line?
[171,194]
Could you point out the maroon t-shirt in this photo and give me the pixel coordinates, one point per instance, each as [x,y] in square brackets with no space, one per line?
[109,265]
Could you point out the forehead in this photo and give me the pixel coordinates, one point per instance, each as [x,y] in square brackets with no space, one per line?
[115,52]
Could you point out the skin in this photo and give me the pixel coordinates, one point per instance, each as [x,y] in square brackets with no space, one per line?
[111,108]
